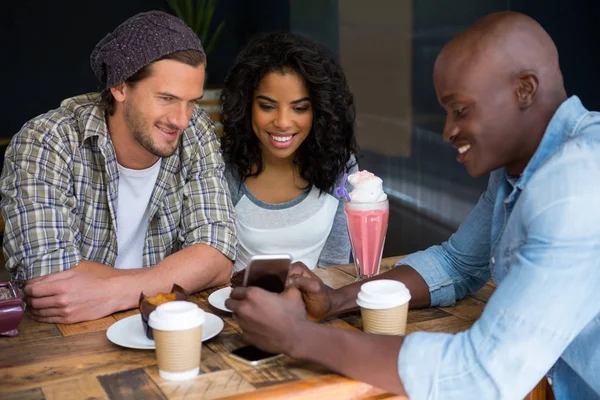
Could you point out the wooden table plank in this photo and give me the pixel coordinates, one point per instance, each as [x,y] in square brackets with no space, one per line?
[81,387]
[25,336]
[203,387]
[225,342]
[63,369]
[269,374]
[542,391]
[30,394]
[353,319]
[28,325]
[97,325]
[483,294]
[468,309]
[322,387]
[340,324]
[449,324]
[57,348]
[29,331]
[334,277]
[212,361]
[135,384]
[426,314]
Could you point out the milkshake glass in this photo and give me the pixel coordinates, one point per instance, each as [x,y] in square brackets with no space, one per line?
[367,215]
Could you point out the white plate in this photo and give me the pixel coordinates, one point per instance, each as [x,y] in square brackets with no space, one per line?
[129,332]
[218,297]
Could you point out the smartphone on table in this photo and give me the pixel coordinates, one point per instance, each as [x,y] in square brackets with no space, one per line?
[253,356]
[269,272]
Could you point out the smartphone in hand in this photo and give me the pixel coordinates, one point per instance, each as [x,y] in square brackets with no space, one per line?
[268,272]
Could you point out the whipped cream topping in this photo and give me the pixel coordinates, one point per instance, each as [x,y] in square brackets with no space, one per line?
[367,187]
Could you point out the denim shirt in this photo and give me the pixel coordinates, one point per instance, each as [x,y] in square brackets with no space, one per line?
[538,237]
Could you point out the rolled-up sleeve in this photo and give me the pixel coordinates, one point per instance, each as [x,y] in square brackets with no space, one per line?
[461,264]
[37,205]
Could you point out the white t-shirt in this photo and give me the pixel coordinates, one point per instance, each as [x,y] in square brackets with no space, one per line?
[133,212]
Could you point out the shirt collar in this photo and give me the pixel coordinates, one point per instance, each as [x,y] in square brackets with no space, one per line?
[89,115]
[561,128]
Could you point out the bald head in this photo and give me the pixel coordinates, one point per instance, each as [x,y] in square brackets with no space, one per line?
[506,44]
[500,83]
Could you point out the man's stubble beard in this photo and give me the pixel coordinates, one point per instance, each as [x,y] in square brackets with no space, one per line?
[135,123]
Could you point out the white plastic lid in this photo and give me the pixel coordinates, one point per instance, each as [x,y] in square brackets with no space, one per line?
[176,316]
[382,293]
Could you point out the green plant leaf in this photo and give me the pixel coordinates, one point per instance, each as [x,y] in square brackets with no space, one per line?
[208,16]
[174,5]
[200,18]
[213,40]
[189,11]
[198,15]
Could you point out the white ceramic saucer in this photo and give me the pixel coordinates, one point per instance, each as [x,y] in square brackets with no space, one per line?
[129,332]
[218,297]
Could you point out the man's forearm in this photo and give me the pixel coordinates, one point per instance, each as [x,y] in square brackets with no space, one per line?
[344,299]
[102,270]
[365,357]
[193,268]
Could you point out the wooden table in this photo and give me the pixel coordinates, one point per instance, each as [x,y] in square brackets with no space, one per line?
[48,361]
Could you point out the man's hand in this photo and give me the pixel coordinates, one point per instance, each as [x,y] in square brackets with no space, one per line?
[316,296]
[267,319]
[68,297]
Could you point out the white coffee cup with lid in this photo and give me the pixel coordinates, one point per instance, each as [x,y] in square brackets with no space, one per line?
[384,306]
[177,330]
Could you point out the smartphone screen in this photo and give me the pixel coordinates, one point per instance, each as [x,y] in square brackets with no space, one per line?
[268,272]
[253,354]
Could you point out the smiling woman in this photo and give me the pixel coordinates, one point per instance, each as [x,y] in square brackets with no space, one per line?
[288,119]
[281,115]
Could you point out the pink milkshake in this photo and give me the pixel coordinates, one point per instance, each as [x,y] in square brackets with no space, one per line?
[367,217]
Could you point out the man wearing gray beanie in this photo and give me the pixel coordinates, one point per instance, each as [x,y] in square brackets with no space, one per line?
[121,192]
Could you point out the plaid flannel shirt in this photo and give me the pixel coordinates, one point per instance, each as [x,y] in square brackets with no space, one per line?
[59,188]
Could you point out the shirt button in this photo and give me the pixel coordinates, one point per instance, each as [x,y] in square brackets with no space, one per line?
[493,260]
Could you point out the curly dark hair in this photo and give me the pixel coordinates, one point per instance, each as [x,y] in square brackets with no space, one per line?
[323,156]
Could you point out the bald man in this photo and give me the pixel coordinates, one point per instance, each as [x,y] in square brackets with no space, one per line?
[536,231]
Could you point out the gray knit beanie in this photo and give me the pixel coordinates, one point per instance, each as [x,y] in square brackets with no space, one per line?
[139,41]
